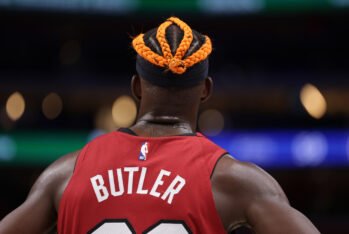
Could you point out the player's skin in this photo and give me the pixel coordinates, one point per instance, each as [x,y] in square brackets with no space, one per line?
[243,193]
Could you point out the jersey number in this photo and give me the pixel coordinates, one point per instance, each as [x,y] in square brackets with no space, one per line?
[122,226]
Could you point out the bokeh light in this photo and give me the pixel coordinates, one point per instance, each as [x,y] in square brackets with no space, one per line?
[347,148]
[313,101]
[124,111]
[7,148]
[15,106]
[52,106]
[309,148]
[104,119]
[211,122]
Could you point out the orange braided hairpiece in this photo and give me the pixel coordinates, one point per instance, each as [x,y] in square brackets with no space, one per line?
[175,63]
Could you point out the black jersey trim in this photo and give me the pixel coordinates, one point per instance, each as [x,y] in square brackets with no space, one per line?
[215,165]
[129,131]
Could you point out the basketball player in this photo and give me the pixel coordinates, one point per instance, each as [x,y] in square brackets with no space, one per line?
[159,176]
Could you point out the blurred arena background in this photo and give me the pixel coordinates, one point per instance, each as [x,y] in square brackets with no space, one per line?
[281,98]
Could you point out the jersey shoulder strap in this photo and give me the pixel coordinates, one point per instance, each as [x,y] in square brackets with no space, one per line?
[211,152]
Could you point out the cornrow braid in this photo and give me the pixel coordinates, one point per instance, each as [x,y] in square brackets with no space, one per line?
[178,62]
[187,38]
[161,37]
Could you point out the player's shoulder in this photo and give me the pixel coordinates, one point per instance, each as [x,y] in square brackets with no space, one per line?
[58,170]
[54,178]
[65,163]
[245,180]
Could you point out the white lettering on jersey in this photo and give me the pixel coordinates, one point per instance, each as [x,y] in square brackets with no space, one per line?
[130,171]
[112,183]
[159,182]
[99,188]
[102,190]
[171,190]
[140,189]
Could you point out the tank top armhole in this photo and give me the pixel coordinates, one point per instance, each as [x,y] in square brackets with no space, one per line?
[80,158]
[215,160]
[61,207]
[212,154]
[215,153]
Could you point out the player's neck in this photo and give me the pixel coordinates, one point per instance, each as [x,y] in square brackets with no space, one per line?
[163,125]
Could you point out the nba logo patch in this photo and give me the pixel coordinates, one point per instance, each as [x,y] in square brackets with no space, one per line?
[144,151]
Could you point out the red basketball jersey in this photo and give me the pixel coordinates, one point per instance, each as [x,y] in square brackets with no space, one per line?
[124,184]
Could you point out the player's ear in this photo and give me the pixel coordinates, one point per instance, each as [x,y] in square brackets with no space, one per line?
[136,87]
[207,90]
